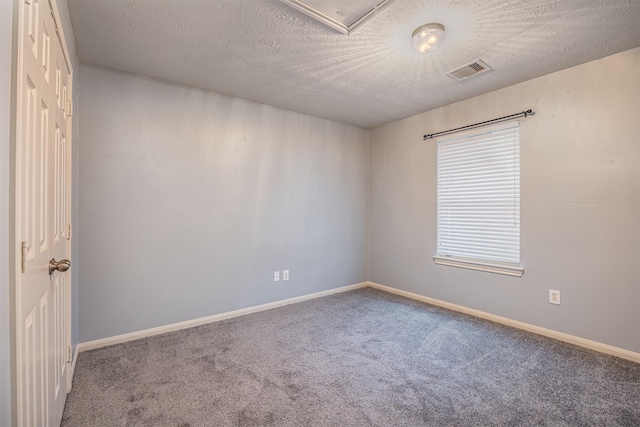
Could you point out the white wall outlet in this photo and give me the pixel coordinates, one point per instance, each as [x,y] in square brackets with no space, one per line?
[276,276]
[285,274]
[554,297]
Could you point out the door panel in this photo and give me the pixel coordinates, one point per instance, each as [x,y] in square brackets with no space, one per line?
[42,217]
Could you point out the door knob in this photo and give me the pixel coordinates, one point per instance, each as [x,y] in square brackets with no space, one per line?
[62,265]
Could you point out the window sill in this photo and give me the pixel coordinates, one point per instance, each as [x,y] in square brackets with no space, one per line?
[506,269]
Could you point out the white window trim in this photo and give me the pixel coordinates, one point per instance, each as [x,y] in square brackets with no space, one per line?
[506,269]
[509,269]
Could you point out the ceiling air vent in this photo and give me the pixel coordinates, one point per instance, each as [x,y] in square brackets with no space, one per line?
[468,70]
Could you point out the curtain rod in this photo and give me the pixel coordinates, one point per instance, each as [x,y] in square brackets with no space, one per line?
[512,116]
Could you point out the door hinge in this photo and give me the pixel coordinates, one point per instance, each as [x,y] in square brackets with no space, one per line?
[23,257]
[68,231]
[68,354]
[69,108]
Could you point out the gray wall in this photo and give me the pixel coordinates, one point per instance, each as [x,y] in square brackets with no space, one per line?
[579,203]
[6,16]
[189,201]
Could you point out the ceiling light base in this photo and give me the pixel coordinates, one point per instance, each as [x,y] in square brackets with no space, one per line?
[428,38]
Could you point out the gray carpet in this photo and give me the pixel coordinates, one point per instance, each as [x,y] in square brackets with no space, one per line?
[361,358]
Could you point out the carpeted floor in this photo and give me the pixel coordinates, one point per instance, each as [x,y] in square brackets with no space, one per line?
[360,358]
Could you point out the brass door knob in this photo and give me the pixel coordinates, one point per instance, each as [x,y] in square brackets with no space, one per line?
[62,265]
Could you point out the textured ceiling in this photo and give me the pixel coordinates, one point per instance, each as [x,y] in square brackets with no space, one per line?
[268,52]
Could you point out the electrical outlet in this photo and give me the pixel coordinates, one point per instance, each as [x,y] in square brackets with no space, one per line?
[554,297]
[276,276]
[285,274]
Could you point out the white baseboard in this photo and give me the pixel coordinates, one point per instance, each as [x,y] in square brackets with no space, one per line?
[90,345]
[561,336]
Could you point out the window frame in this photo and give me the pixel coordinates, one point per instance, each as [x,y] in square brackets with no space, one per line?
[480,264]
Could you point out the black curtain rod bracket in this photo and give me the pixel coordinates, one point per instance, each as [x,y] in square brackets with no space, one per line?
[524,114]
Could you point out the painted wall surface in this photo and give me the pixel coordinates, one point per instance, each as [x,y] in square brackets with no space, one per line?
[190,200]
[580,210]
[6,16]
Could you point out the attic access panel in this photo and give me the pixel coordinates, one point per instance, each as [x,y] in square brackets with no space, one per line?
[345,16]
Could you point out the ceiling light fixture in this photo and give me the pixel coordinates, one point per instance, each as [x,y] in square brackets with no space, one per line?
[428,38]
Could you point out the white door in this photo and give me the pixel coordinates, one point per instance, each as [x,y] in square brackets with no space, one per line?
[42,174]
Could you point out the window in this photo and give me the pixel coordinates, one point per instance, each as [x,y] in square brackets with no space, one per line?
[479,199]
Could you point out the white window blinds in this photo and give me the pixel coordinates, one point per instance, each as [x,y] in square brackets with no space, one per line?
[479,195]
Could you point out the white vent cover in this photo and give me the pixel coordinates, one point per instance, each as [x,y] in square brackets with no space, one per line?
[468,70]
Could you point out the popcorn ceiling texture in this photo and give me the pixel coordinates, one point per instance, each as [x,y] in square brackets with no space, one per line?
[267,52]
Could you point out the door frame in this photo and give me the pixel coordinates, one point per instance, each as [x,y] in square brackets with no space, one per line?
[15,258]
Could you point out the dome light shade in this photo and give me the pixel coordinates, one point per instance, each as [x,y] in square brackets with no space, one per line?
[428,38]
